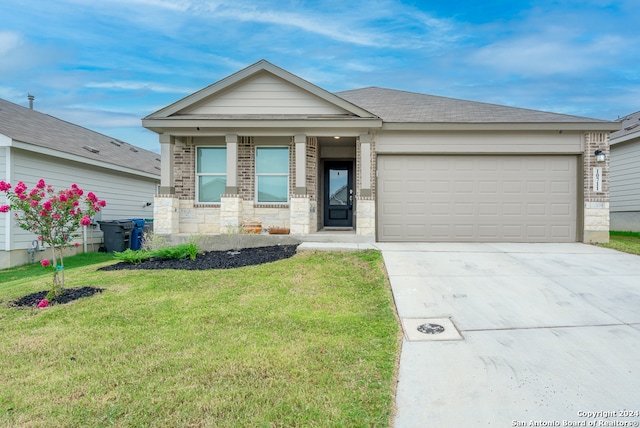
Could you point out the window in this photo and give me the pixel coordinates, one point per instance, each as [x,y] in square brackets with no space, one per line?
[272,174]
[211,173]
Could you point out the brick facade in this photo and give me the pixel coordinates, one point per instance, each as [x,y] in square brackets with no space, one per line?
[596,203]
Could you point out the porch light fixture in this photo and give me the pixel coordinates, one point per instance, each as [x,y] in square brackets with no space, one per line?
[336,137]
[600,156]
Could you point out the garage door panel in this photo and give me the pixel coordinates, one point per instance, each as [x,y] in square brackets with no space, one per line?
[477,198]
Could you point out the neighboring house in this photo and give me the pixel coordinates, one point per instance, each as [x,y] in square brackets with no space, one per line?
[34,145]
[266,145]
[625,175]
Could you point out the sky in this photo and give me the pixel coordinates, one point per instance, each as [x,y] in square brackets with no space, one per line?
[106,64]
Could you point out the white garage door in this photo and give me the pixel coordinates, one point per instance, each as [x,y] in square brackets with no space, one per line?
[477,198]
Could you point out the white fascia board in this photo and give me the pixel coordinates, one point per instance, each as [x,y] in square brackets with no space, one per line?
[543,126]
[624,138]
[186,125]
[80,159]
[5,141]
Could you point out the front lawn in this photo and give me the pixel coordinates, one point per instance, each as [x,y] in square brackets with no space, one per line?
[308,341]
[629,242]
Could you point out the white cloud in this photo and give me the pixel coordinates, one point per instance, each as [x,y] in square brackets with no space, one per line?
[9,40]
[137,86]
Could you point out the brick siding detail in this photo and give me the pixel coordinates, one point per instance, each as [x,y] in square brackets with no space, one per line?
[596,204]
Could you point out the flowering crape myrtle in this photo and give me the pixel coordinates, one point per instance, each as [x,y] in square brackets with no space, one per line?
[54,216]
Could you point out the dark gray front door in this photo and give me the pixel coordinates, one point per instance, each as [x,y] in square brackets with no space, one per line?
[338,194]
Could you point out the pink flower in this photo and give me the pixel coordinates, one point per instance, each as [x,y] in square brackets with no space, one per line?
[33,203]
[41,184]
[20,187]
[47,205]
[86,221]
[72,212]
[23,196]
[45,263]
[102,203]
[92,197]
[4,186]
[63,198]
[43,213]
[56,216]
[4,208]
[75,203]
[77,245]
[43,303]
[33,192]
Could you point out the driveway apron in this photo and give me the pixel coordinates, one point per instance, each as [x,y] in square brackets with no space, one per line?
[534,334]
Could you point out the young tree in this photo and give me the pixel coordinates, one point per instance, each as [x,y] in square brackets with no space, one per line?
[54,216]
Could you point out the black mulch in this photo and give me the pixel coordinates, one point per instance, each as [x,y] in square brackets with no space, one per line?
[68,295]
[215,259]
[208,260]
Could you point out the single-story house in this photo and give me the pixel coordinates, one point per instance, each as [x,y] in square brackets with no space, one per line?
[625,175]
[34,145]
[265,145]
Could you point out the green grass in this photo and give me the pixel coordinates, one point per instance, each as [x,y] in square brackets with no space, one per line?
[629,242]
[309,341]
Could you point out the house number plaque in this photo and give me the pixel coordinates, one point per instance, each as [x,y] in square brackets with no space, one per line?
[597,179]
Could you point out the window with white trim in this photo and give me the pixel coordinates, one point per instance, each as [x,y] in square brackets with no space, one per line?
[211,173]
[272,175]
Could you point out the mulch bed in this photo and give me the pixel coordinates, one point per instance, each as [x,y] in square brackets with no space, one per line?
[208,260]
[215,259]
[68,295]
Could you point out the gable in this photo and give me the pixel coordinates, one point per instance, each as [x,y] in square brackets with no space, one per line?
[264,94]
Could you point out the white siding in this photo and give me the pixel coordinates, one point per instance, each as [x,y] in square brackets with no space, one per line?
[3,199]
[126,194]
[625,177]
[478,142]
[265,94]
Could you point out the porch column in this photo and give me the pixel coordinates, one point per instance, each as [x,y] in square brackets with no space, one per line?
[365,165]
[300,141]
[365,204]
[232,164]
[596,188]
[167,145]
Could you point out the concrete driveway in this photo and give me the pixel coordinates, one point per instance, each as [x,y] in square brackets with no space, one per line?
[541,334]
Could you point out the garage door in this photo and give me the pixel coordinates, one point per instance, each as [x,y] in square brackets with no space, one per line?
[477,198]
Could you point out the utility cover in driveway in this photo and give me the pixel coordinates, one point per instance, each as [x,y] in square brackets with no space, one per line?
[480,198]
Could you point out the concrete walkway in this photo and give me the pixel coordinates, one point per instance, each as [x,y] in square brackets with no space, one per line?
[542,333]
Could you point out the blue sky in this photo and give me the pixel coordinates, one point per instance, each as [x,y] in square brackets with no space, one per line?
[105,64]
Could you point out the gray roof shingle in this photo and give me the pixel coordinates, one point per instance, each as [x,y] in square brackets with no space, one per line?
[630,125]
[410,107]
[39,129]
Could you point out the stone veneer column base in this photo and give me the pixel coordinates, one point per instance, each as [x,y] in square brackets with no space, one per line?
[596,222]
[230,214]
[302,211]
[366,220]
[166,217]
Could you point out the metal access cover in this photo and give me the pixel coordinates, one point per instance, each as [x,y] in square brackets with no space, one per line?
[429,329]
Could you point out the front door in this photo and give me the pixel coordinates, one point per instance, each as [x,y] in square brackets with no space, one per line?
[338,194]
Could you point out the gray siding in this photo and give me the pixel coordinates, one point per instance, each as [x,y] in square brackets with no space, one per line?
[393,142]
[126,194]
[265,94]
[625,177]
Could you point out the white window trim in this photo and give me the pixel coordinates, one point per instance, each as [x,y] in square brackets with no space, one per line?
[208,174]
[255,172]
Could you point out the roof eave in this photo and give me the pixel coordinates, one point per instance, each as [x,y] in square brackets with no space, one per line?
[501,126]
[200,126]
[88,161]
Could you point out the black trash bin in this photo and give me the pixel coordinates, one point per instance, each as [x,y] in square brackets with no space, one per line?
[136,233]
[117,234]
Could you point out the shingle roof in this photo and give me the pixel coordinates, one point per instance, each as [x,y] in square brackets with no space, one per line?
[630,125]
[39,129]
[410,107]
